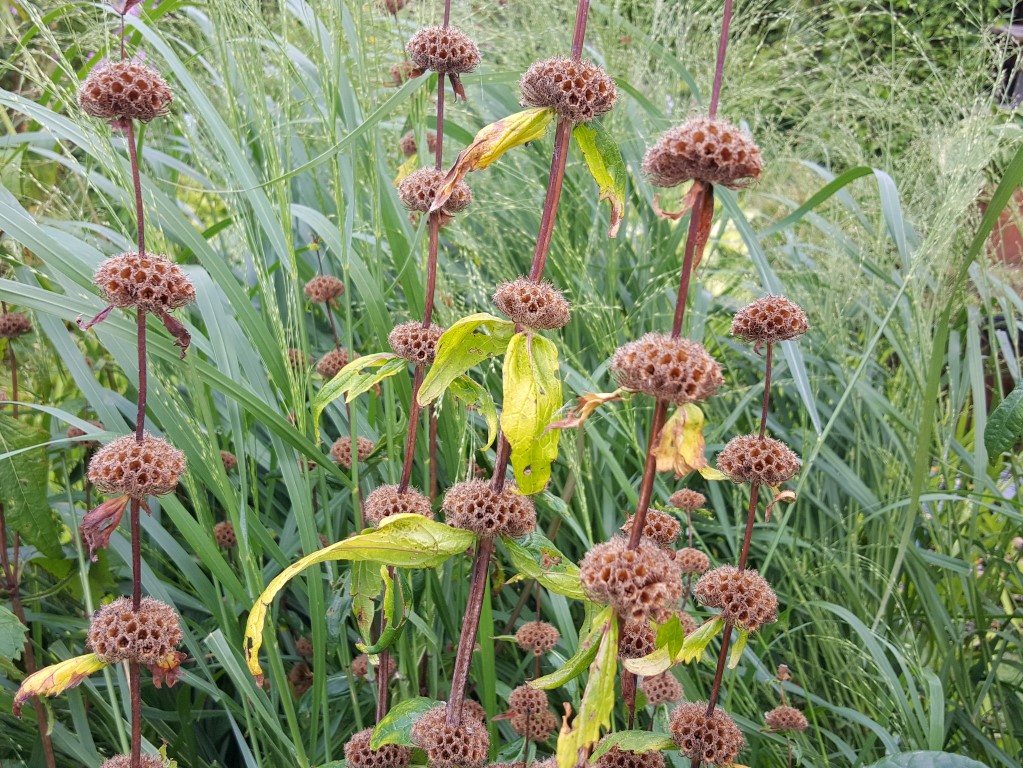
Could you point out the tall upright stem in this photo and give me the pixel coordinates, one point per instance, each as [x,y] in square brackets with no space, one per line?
[140,418]
[14,377]
[470,626]
[553,197]
[767,389]
[129,133]
[719,70]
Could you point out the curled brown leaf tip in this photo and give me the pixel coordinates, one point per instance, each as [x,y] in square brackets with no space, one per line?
[84,326]
[177,329]
[167,670]
[100,523]
[456,86]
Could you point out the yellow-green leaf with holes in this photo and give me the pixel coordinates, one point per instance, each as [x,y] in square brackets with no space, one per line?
[473,395]
[57,678]
[604,160]
[463,345]
[527,557]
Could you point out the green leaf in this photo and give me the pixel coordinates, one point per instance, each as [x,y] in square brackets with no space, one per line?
[23,478]
[604,160]
[394,613]
[1005,424]
[653,663]
[633,741]
[463,345]
[532,397]
[738,648]
[671,635]
[396,726]
[527,554]
[12,635]
[360,375]
[696,643]
[472,394]
[366,585]
[926,760]
[584,654]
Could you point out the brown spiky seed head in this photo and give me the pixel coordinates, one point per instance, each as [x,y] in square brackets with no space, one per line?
[527,700]
[150,468]
[784,674]
[532,304]
[678,370]
[692,561]
[124,761]
[147,281]
[688,500]
[358,753]
[448,746]
[415,343]
[659,527]
[708,150]
[637,639]
[224,533]
[537,636]
[73,431]
[744,597]
[14,324]
[304,647]
[443,50]
[661,689]
[755,459]
[474,710]
[616,757]
[419,188]
[475,506]
[148,635]
[341,450]
[785,719]
[409,146]
[536,726]
[386,501]
[688,623]
[640,583]
[331,363]
[229,460]
[716,740]
[299,360]
[577,90]
[124,90]
[549,762]
[324,288]
[769,320]
[301,678]
[360,666]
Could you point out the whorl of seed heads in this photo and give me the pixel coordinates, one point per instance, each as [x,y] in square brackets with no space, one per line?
[150,282]
[661,689]
[331,363]
[577,90]
[637,639]
[474,710]
[537,636]
[150,468]
[687,499]
[659,527]
[678,370]
[415,343]
[224,533]
[744,597]
[124,761]
[409,146]
[14,324]
[475,506]
[616,757]
[755,459]
[532,304]
[692,561]
[536,726]
[448,51]
[299,360]
[714,739]
[74,431]
[688,623]
[118,633]
[324,288]
[304,647]
[358,753]
[548,762]
[448,746]
[708,150]
[769,320]
[229,460]
[360,666]
[527,700]
[640,583]
[301,678]
[341,450]
[785,719]
[419,188]
[124,90]
[386,501]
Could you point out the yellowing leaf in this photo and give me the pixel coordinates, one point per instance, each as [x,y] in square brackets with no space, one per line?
[604,160]
[653,663]
[463,345]
[366,584]
[709,473]
[742,635]
[696,643]
[406,168]
[787,497]
[598,699]
[360,375]
[681,444]
[57,678]
[474,395]
[585,406]
[589,645]
[559,574]
[633,741]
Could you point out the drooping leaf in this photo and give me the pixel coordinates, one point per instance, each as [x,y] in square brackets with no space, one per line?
[23,477]
[57,678]
[788,497]
[396,726]
[696,643]
[535,557]
[395,598]
[926,760]
[633,741]
[604,160]
[464,344]
[474,395]
[583,656]
[655,662]
[742,636]
[366,585]
[585,406]
[1005,424]
[360,375]
[12,635]
[681,447]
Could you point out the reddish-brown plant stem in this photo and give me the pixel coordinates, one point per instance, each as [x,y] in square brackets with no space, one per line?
[383,670]
[134,680]
[470,625]
[129,133]
[413,428]
[767,388]
[140,418]
[14,377]
[719,70]
[550,204]
[582,14]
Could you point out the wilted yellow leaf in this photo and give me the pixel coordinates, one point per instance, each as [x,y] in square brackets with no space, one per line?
[57,678]
[406,168]
[604,160]
[681,445]
[585,406]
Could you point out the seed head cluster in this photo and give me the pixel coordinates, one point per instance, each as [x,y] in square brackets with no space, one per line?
[577,90]
[744,597]
[716,740]
[330,364]
[124,90]
[14,324]
[688,500]
[616,757]
[661,689]
[150,468]
[447,746]
[358,753]
[224,533]
[475,506]
[637,639]
[418,190]
[527,700]
[148,635]
[706,150]
[755,459]
[659,527]
[301,678]
[386,501]
[304,647]
[536,726]
[323,289]
[415,343]
[785,719]
[692,561]
[532,304]
[447,51]
[299,360]
[360,666]
[640,583]
[229,460]
[124,761]
[341,450]
[409,146]
[149,281]
[537,636]
[73,431]
[474,710]
[769,320]
[666,368]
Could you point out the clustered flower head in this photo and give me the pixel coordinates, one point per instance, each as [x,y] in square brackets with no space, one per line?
[330,364]
[386,501]
[678,370]
[224,533]
[137,469]
[639,583]
[660,527]
[616,757]
[475,506]
[537,636]
[415,343]
[124,90]
[359,754]
[530,716]
[526,699]
[148,635]
[14,324]
[769,320]
[299,360]
[715,739]
[124,761]
[229,459]
[418,190]
[755,459]
[149,282]
[784,718]
[578,91]
[532,304]
[449,746]
[360,666]
[323,289]
[301,678]
[661,689]
[703,149]
[304,647]
[691,561]
[409,146]
[447,51]
[687,499]
[636,639]
[341,450]
[744,597]
[74,431]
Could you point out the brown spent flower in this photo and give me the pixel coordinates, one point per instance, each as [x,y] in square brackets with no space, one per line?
[704,149]
[637,639]
[537,636]
[785,719]
[475,506]
[716,740]
[386,501]
[616,757]
[331,363]
[536,726]
[769,320]
[299,360]
[532,304]
[577,90]
[678,370]
[149,282]
[688,500]
[474,710]
[73,432]
[527,700]
[323,289]
[150,468]
[229,459]
[688,623]
[691,560]
[640,583]
[419,188]
[359,754]
[661,689]
[124,761]
[14,324]
[341,450]
[124,90]
[224,533]
[360,666]
[148,636]
[415,343]
[301,678]
[304,647]
[659,527]
[448,746]
[409,146]
[755,459]
[744,597]
[447,51]
[784,674]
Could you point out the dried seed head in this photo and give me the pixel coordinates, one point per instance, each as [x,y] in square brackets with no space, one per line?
[688,500]
[624,758]
[691,560]
[716,740]
[419,188]
[150,282]
[14,324]
[223,532]
[703,149]
[331,363]
[532,304]
[443,50]
[744,597]
[475,506]
[324,288]
[637,639]
[150,468]
[301,678]
[537,636]
[124,761]
[785,719]
[229,459]
[769,320]
[755,459]
[76,432]
[409,146]
[640,583]
[678,370]
[393,6]
[448,746]
[474,710]
[577,90]
[415,343]
[536,726]
[124,90]
[299,360]
[386,501]
[304,647]
[783,673]
[341,450]
[402,72]
[687,622]
[661,689]
[358,753]
[360,666]
[659,527]
[148,635]
[527,700]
